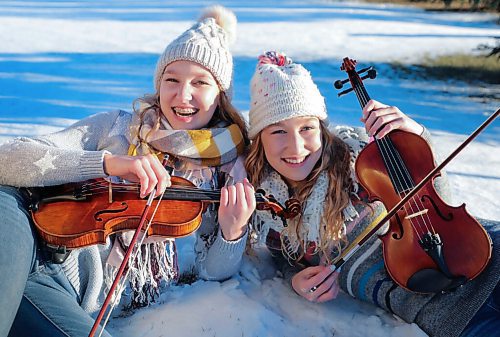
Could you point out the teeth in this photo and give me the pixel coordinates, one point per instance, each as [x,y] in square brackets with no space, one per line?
[185,111]
[294,161]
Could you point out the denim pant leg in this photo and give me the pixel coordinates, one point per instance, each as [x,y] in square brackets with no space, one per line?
[50,307]
[486,322]
[17,253]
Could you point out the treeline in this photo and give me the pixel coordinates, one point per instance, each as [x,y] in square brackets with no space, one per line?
[492,5]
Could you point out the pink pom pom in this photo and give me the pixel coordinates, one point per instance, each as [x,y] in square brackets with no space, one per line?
[273,57]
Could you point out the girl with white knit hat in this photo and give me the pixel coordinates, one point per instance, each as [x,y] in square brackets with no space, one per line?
[295,155]
[190,122]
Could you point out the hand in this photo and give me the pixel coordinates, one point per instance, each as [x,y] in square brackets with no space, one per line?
[147,170]
[304,281]
[383,118]
[237,203]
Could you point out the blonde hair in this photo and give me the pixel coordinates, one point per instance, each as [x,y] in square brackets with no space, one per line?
[335,160]
[225,111]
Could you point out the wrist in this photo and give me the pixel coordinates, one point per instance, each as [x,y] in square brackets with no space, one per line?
[233,234]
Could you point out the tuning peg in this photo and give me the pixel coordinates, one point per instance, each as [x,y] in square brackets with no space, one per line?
[372,73]
[340,83]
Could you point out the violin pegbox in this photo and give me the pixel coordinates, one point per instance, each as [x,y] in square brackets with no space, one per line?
[349,66]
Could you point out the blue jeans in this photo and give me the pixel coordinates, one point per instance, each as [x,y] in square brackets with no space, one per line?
[36,296]
[486,322]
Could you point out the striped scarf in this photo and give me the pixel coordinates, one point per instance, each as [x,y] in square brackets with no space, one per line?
[206,147]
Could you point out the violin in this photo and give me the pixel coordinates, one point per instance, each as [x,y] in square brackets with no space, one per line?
[430,246]
[81,214]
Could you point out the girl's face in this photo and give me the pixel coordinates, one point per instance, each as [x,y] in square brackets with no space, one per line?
[293,147]
[188,95]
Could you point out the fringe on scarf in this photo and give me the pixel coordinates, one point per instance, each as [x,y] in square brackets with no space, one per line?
[154,263]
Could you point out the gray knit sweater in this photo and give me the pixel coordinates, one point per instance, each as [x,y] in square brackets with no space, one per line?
[364,277]
[76,154]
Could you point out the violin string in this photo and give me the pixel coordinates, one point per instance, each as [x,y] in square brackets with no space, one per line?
[391,161]
[202,194]
[363,98]
[424,217]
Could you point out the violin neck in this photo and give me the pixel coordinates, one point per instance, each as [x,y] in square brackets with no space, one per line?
[359,89]
[200,195]
[395,166]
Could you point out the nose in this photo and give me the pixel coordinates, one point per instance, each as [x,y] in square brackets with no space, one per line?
[295,143]
[185,92]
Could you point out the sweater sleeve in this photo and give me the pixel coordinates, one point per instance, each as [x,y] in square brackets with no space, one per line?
[222,259]
[73,154]
[217,258]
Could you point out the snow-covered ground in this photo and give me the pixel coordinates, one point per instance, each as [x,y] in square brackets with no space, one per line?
[62,60]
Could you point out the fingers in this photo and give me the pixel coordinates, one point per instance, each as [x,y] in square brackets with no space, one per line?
[316,284]
[332,292]
[237,204]
[249,195]
[147,170]
[161,175]
[147,179]
[380,119]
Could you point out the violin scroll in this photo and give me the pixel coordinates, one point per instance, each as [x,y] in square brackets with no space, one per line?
[269,203]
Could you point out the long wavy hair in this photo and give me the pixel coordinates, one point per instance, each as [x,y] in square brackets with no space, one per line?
[335,160]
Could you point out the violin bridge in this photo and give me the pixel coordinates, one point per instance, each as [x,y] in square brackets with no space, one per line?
[410,216]
[110,193]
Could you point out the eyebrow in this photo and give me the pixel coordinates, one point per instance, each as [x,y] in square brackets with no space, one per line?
[305,119]
[197,74]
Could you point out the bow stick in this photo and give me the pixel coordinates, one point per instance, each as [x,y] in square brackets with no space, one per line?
[126,259]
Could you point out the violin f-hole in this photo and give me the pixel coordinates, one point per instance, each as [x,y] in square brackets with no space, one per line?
[436,208]
[110,211]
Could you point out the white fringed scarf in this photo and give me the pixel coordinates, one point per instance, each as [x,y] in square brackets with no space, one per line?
[311,229]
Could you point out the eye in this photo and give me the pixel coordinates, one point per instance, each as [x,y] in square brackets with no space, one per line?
[201,82]
[171,79]
[277,132]
[308,128]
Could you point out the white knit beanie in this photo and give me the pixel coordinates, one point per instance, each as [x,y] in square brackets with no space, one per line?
[205,43]
[280,90]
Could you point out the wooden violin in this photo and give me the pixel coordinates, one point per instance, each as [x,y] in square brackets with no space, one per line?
[81,214]
[430,246]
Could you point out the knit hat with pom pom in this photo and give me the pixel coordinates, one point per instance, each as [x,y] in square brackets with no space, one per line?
[280,90]
[205,43]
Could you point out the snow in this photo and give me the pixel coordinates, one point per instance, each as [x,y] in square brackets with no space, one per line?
[63,60]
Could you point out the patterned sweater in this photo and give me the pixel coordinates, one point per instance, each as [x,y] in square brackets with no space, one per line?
[76,154]
[364,275]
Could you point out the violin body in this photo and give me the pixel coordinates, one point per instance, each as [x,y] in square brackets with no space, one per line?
[81,214]
[466,246]
[430,246]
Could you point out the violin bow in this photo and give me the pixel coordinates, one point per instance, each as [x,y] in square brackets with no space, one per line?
[126,258]
[371,231]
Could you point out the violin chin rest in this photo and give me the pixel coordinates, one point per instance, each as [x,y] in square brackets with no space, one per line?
[433,281]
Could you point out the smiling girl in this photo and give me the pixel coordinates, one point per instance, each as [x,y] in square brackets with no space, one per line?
[295,154]
[190,121]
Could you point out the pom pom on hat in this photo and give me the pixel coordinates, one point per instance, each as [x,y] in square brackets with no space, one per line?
[224,18]
[280,90]
[206,43]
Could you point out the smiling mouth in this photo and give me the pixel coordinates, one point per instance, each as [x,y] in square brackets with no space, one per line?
[295,160]
[185,112]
